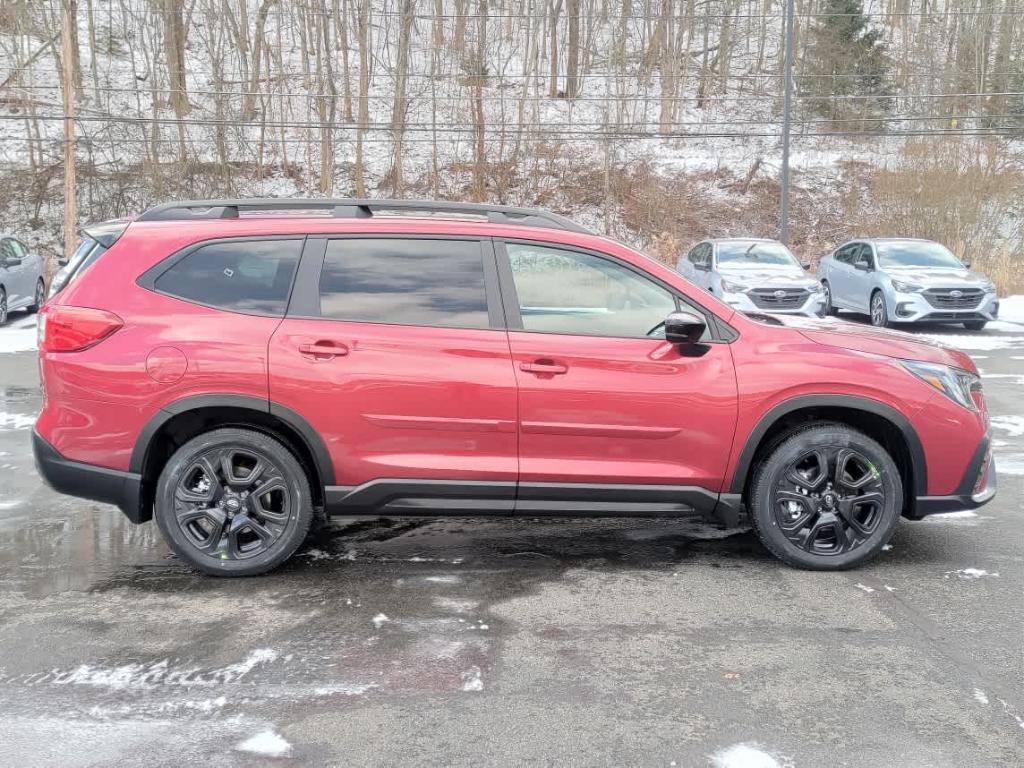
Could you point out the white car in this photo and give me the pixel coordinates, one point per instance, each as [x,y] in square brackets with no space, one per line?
[22,283]
[753,275]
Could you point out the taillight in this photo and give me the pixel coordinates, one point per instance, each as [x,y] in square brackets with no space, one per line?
[72,329]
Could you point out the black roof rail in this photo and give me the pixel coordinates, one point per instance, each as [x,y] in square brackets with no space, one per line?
[349,208]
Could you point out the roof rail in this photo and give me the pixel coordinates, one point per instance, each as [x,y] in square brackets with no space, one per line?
[348,208]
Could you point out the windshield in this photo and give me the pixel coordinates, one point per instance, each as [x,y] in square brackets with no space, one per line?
[756,253]
[914,253]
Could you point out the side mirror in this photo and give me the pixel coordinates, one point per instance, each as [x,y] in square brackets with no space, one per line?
[684,328]
[62,262]
[12,261]
[967,265]
[863,266]
[806,265]
[702,266]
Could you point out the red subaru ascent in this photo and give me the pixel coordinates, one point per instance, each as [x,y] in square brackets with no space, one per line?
[234,367]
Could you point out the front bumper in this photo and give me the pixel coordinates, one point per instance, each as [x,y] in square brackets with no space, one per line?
[814,306]
[87,481]
[977,488]
[915,308]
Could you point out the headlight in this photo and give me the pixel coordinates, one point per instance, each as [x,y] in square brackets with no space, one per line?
[730,287]
[954,383]
[903,287]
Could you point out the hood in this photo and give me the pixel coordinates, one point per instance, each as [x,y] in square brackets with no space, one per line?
[767,275]
[878,341]
[938,278]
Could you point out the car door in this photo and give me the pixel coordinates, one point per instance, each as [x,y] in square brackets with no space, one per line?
[12,275]
[859,281]
[394,350]
[32,269]
[603,401]
[840,276]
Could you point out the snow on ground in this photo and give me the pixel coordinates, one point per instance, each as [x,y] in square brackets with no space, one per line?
[1012,425]
[980,697]
[267,743]
[1012,309]
[471,680]
[981,343]
[747,756]
[969,573]
[14,421]
[18,337]
[1012,464]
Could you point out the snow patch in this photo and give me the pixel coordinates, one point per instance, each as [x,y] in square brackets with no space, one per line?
[1012,309]
[18,340]
[343,689]
[455,604]
[980,697]
[380,620]
[13,421]
[266,743]
[865,587]
[980,343]
[1010,465]
[471,680]
[1012,425]
[960,514]
[747,756]
[969,573]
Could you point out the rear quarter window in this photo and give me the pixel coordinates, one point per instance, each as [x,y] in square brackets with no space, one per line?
[248,276]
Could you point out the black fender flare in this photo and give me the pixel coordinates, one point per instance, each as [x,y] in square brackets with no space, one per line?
[918,462]
[312,439]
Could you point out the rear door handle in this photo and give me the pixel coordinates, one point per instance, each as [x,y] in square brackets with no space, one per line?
[323,350]
[549,367]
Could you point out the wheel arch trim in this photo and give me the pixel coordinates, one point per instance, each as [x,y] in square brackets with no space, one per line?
[850,402]
[313,441]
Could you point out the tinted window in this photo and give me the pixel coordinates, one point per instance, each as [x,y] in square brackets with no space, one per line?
[19,249]
[244,276]
[571,292]
[405,282]
[844,255]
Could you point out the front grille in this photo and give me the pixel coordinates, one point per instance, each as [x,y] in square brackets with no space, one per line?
[778,298]
[954,298]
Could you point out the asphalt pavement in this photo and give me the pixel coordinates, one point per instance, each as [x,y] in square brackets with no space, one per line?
[511,641]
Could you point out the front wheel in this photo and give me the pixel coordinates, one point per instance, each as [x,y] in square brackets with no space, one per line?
[3,307]
[975,325]
[827,497]
[233,502]
[879,312]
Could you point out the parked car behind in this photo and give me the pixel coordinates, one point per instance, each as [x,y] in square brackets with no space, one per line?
[22,284]
[907,281]
[753,275]
[226,370]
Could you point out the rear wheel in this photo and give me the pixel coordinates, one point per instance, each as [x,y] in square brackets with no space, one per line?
[879,312]
[233,502]
[827,497]
[975,325]
[829,309]
[40,296]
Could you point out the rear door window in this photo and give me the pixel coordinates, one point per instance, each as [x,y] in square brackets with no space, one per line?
[248,276]
[405,282]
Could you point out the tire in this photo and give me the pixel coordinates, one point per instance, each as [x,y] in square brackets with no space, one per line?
[976,325]
[829,310]
[215,525]
[812,530]
[40,297]
[3,307]
[878,310]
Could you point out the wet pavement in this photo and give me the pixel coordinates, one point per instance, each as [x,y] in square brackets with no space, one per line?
[552,642]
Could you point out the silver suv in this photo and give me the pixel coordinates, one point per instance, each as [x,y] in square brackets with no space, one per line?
[901,280]
[753,275]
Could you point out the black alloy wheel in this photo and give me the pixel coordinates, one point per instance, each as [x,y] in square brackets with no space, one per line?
[825,496]
[234,502]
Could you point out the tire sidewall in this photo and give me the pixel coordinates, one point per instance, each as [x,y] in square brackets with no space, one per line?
[789,450]
[295,478]
[880,297]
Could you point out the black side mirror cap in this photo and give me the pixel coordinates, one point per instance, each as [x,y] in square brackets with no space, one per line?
[684,327]
[806,265]
[863,266]
[62,262]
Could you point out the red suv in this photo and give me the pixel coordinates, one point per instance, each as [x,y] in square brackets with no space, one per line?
[233,367]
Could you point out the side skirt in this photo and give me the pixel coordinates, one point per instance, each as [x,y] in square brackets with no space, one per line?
[451,499]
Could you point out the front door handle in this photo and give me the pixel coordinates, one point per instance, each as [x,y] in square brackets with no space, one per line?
[323,350]
[541,367]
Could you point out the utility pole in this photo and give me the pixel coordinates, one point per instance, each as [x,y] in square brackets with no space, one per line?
[787,119]
[67,61]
